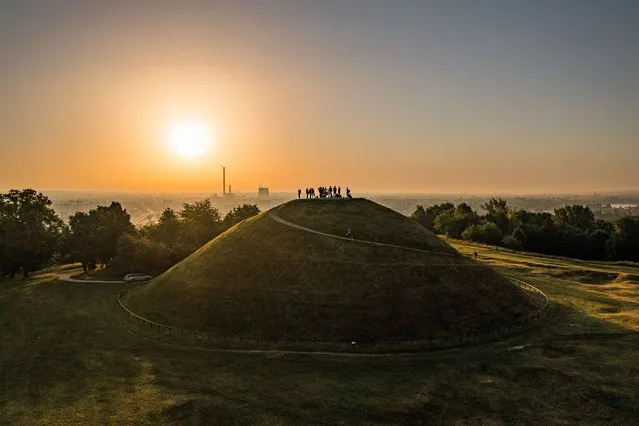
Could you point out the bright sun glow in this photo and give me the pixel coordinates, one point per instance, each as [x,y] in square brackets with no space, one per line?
[190,139]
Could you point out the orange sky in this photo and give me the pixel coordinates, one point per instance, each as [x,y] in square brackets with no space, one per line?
[315,96]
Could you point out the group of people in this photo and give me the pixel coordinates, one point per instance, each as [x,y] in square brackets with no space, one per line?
[325,192]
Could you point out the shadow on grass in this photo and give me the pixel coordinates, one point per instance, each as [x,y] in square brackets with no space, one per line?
[65,357]
[61,354]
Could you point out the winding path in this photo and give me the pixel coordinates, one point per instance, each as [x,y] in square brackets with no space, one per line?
[276,217]
[67,278]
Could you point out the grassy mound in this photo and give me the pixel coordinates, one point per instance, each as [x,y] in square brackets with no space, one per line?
[366,219]
[263,278]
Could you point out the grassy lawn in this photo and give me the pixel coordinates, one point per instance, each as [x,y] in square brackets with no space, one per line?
[67,356]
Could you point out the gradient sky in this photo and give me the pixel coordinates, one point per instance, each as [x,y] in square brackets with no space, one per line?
[390,96]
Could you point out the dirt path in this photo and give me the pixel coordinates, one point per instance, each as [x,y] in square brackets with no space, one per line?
[67,278]
[273,215]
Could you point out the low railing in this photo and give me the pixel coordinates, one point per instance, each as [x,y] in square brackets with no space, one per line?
[452,339]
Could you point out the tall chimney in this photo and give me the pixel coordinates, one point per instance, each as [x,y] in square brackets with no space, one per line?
[223,180]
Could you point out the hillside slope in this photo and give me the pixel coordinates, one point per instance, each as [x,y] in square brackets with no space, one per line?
[263,278]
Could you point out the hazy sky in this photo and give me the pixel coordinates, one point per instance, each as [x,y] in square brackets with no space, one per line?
[394,96]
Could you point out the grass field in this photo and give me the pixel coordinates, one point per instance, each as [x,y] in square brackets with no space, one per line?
[68,356]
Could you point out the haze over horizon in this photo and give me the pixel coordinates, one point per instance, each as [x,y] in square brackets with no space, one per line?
[394,97]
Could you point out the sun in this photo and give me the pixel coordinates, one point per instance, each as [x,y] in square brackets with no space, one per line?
[189,139]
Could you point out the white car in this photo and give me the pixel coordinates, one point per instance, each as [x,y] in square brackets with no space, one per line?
[131,278]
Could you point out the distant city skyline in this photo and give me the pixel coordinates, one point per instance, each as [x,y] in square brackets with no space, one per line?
[406,97]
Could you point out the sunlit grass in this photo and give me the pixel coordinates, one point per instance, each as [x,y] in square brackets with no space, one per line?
[602,290]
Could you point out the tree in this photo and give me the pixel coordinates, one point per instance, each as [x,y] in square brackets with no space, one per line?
[202,222]
[240,213]
[427,217]
[486,232]
[576,216]
[113,223]
[141,254]
[495,205]
[520,235]
[167,230]
[453,222]
[497,213]
[625,245]
[420,216]
[30,232]
[81,242]
[512,243]
[94,235]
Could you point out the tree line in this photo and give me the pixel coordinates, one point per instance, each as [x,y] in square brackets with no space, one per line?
[32,236]
[571,231]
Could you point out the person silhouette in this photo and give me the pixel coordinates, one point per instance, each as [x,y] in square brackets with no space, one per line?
[299,194]
[330,191]
[348,192]
[339,191]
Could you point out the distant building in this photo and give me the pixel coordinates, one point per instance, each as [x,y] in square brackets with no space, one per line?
[262,192]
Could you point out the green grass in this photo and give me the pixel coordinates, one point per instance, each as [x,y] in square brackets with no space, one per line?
[68,356]
[265,279]
[604,290]
[366,219]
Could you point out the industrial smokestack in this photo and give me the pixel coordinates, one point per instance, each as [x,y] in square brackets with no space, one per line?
[223,180]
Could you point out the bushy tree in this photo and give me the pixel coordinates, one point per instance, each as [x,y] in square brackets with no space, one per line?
[427,217]
[486,232]
[625,244]
[575,216]
[141,254]
[201,222]
[168,229]
[497,213]
[94,235]
[81,242]
[419,216]
[453,222]
[30,232]
[240,213]
[512,243]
